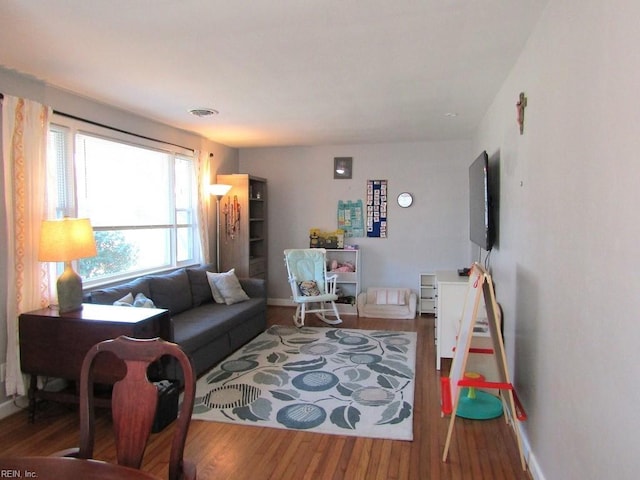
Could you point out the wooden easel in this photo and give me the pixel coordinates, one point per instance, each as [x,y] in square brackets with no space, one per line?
[480,283]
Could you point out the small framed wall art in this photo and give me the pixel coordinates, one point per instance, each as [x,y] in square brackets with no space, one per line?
[342,167]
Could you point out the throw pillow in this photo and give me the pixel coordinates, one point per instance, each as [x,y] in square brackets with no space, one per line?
[143,302]
[309,288]
[126,301]
[229,287]
[217,296]
[139,301]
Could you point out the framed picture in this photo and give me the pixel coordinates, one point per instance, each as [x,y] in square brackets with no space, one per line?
[342,167]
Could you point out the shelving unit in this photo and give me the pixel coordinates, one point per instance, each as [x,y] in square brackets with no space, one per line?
[428,292]
[348,282]
[243,225]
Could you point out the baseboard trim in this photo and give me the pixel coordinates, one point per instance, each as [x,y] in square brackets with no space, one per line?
[280,302]
[534,468]
[9,407]
[529,456]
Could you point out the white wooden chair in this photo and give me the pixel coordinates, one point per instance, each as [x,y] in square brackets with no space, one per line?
[312,289]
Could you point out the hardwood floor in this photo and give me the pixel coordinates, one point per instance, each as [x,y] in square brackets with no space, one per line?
[479,449]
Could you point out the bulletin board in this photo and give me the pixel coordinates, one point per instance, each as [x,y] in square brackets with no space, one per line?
[351,218]
[377,208]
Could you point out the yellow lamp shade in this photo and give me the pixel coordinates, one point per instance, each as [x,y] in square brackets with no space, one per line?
[66,239]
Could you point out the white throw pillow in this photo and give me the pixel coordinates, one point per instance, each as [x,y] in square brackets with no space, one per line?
[229,287]
[217,296]
[142,301]
[126,301]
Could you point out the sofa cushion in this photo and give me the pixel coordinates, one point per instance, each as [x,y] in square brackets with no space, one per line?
[171,291]
[229,287]
[106,296]
[200,289]
[200,326]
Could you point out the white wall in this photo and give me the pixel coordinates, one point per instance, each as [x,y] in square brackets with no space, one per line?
[431,234]
[565,269]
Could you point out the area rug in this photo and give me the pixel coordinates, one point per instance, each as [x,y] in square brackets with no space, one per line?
[326,380]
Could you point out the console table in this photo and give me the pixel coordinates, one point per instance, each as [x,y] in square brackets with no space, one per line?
[54,344]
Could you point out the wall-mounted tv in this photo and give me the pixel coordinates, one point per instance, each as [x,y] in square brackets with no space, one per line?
[482,228]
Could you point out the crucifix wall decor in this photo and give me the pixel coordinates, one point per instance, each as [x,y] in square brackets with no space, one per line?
[521,105]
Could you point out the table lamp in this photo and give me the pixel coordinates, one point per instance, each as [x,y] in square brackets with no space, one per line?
[66,240]
[219,190]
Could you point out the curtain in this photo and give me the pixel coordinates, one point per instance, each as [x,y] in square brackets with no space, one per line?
[25,126]
[203,178]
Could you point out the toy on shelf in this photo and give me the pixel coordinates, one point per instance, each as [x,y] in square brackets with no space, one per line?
[330,240]
[346,267]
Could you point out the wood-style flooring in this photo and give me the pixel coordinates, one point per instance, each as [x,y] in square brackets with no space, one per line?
[479,449]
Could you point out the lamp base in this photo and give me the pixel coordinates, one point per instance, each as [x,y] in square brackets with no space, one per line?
[69,286]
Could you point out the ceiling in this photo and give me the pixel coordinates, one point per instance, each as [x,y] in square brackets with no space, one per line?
[279,72]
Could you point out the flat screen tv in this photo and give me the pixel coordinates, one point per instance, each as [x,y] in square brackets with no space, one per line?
[482,229]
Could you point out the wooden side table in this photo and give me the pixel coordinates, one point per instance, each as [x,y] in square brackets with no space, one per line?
[54,344]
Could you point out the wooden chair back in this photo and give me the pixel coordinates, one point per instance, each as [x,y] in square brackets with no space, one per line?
[134,400]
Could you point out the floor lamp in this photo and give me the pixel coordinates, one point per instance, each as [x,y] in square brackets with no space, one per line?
[219,190]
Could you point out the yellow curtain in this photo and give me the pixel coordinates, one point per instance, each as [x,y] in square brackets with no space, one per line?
[25,126]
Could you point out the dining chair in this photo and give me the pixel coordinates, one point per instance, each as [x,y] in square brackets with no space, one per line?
[133,403]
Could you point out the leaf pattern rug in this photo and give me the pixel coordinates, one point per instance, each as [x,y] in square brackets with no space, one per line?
[328,380]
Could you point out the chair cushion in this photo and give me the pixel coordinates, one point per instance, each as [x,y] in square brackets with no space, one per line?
[307,264]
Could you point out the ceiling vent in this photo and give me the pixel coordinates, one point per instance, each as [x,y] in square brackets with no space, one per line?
[203,112]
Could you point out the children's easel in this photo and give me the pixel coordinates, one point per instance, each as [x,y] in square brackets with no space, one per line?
[480,283]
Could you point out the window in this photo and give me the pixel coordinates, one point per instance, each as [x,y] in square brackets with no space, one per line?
[140,197]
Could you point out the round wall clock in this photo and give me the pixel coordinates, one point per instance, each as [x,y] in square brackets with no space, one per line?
[405,199]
